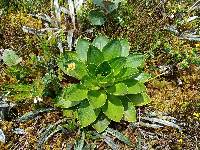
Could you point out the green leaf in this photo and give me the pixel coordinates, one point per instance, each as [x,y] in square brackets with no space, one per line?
[113,109]
[73,68]
[103,69]
[70,55]
[118,89]
[86,114]
[125,47]
[139,99]
[10,57]
[97,17]
[143,77]
[97,98]
[94,56]
[82,47]
[117,64]
[135,60]
[134,87]
[129,111]
[100,42]
[64,103]
[78,71]
[90,83]
[91,69]
[112,50]
[104,74]
[104,81]
[126,73]
[75,92]
[101,123]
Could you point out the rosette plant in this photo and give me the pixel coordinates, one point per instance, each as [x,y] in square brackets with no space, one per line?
[111,82]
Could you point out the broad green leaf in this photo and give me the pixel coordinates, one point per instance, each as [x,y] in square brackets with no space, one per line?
[100,42]
[112,50]
[134,86]
[143,77]
[139,99]
[64,103]
[101,123]
[75,92]
[126,73]
[103,69]
[125,47]
[86,114]
[91,69]
[129,111]
[10,57]
[90,83]
[118,89]
[117,64]
[104,74]
[82,47]
[94,56]
[70,55]
[76,69]
[73,68]
[97,17]
[135,60]
[113,109]
[105,81]
[97,98]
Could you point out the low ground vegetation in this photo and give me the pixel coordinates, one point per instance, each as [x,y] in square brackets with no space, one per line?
[117,74]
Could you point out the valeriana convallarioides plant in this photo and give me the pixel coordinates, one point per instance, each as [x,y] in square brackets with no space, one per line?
[111,82]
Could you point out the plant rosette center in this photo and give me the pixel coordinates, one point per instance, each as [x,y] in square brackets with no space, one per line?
[111,82]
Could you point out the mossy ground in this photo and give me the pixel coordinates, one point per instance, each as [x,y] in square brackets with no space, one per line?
[176,93]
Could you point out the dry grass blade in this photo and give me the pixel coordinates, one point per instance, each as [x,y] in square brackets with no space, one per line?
[80,143]
[111,143]
[78,4]
[194,6]
[162,122]
[57,11]
[2,136]
[72,12]
[33,114]
[119,136]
